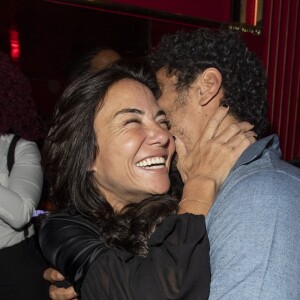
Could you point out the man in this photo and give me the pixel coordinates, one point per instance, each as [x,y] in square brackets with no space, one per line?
[254,224]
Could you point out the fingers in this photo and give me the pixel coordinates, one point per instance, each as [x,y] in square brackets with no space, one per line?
[237,129]
[180,148]
[181,155]
[213,156]
[62,293]
[52,275]
[214,123]
[56,293]
[238,147]
[247,138]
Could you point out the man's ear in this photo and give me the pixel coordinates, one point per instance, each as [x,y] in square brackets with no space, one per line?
[209,83]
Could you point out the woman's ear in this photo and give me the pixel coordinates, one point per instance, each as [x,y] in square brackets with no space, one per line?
[209,83]
[93,167]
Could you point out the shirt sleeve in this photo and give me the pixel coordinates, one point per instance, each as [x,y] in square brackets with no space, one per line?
[71,244]
[177,266]
[22,194]
[255,240]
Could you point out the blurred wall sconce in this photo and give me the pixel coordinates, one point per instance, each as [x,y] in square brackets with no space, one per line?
[247,15]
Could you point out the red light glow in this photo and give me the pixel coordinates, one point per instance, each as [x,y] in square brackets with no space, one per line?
[14,45]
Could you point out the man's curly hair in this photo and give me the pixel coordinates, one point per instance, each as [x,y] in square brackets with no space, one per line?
[188,54]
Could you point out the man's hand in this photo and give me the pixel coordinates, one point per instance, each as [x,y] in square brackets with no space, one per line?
[58,293]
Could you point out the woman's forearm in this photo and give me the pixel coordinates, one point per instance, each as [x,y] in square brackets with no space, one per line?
[198,195]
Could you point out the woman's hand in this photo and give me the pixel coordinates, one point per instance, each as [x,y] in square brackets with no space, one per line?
[213,155]
[206,166]
[58,293]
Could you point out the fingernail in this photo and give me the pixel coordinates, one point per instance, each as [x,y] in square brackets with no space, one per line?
[60,277]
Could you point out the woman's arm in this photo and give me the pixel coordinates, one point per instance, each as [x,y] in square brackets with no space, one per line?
[207,165]
[71,244]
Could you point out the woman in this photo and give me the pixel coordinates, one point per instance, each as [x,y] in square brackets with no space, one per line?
[107,158]
[21,181]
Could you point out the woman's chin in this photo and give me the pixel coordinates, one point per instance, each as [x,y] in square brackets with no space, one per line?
[160,190]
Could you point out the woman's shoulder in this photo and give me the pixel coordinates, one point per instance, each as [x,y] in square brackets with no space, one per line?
[67,220]
[184,227]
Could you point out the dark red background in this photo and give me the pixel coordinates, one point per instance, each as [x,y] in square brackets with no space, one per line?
[53,36]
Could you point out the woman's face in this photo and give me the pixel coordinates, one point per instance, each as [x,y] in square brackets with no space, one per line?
[135,145]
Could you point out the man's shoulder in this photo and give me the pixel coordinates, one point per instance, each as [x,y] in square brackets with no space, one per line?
[263,187]
[262,163]
[271,180]
[267,169]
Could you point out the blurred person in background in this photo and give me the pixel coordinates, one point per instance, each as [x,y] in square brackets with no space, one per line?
[96,59]
[21,182]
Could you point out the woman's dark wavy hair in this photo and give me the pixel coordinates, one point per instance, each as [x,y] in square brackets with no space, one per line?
[188,54]
[71,148]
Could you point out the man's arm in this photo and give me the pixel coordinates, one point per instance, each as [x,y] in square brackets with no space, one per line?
[254,236]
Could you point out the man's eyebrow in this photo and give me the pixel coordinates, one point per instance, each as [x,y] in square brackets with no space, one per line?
[129,111]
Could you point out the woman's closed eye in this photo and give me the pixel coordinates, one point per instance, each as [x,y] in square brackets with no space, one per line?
[165,123]
[132,120]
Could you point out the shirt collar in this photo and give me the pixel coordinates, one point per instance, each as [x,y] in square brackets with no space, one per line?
[257,149]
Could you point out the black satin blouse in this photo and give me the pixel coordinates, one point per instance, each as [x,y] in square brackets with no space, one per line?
[177,266]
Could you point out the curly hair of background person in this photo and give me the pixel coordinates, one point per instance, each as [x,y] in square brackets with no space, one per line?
[18,112]
[188,54]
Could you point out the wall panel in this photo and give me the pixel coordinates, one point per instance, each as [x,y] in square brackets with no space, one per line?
[281,58]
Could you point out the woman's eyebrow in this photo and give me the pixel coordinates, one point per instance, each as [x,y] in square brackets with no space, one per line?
[129,111]
[137,111]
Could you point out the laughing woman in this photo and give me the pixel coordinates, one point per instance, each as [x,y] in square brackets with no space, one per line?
[107,159]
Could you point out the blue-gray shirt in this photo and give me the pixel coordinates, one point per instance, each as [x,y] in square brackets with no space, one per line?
[254,228]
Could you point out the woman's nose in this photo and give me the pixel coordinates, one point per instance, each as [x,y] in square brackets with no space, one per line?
[158,135]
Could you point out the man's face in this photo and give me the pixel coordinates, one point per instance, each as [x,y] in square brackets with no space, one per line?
[182,109]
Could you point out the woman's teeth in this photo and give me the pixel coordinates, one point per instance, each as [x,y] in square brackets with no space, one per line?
[153,162]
